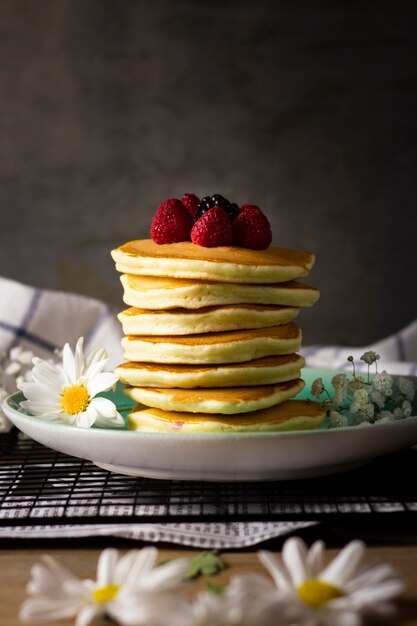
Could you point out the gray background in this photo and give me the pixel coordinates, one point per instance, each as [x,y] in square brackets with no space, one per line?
[305,108]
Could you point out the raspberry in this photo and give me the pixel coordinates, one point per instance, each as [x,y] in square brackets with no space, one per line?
[191,202]
[171,223]
[212,229]
[251,228]
[249,206]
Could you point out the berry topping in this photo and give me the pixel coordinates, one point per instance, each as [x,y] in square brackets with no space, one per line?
[171,223]
[216,200]
[251,228]
[191,202]
[212,229]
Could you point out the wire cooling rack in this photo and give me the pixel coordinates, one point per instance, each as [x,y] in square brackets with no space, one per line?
[41,486]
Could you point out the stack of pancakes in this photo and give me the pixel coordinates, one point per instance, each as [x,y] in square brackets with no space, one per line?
[210,340]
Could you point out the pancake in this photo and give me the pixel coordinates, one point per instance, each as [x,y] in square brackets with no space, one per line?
[206,320]
[226,401]
[266,371]
[234,346]
[147,292]
[290,415]
[225,263]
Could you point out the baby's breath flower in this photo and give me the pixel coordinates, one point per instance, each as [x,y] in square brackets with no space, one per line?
[13,368]
[406,386]
[317,387]
[337,419]
[378,398]
[361,395]
[355,407]
[383,382]
[369,410]
[370,357]
[386,416]
[340,384]
[406,408]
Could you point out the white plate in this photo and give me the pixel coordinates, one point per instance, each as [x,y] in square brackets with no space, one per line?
[220,457]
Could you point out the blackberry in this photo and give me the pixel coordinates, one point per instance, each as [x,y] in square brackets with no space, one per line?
[233,211]
[205,204]
[217,200]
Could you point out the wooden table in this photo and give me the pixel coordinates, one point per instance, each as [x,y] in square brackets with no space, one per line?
[15,564]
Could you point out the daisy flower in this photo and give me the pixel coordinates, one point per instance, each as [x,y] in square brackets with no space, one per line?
[338,594]
[131,582]
[67,391]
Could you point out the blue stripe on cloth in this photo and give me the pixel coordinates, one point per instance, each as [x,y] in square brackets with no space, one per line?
[21,333]
[18,330]
[104,315]
[401,347]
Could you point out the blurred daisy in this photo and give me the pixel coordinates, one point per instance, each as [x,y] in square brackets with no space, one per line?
[123,583]
[238,605]
[339,594]
[67,391]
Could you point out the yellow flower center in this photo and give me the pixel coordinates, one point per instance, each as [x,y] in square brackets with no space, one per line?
[75,399]
[105,594]
[317,593]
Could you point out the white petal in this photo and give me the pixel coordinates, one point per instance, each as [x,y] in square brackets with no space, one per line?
[88,613]
[166,576]
[371,576]
[79,362]
[315,559]
[106,567]
[48,375]
[378,593]
[110,422]
[104,407]
[87,418]
[345,564]
[349,617]
[47,415]
[101,382]
[136,564]
[100,354]
[69,365]
[294,555]
[94,369]
[45,610]
[277,572]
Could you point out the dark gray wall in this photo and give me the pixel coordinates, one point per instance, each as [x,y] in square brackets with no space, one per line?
[305,108]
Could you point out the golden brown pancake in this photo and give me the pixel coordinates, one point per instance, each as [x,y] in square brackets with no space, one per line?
[206,320]
[290,415]
[225,263]
[235,346]
[266,371]
[221,400]
[147,292]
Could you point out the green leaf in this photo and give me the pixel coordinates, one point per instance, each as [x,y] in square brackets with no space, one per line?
[215,588]
[207,563]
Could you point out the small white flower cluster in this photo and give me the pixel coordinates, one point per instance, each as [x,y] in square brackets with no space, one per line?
[133,590]
[360,400]
[15,368]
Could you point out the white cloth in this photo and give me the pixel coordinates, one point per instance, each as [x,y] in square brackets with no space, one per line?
[43,320]
[398,354]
